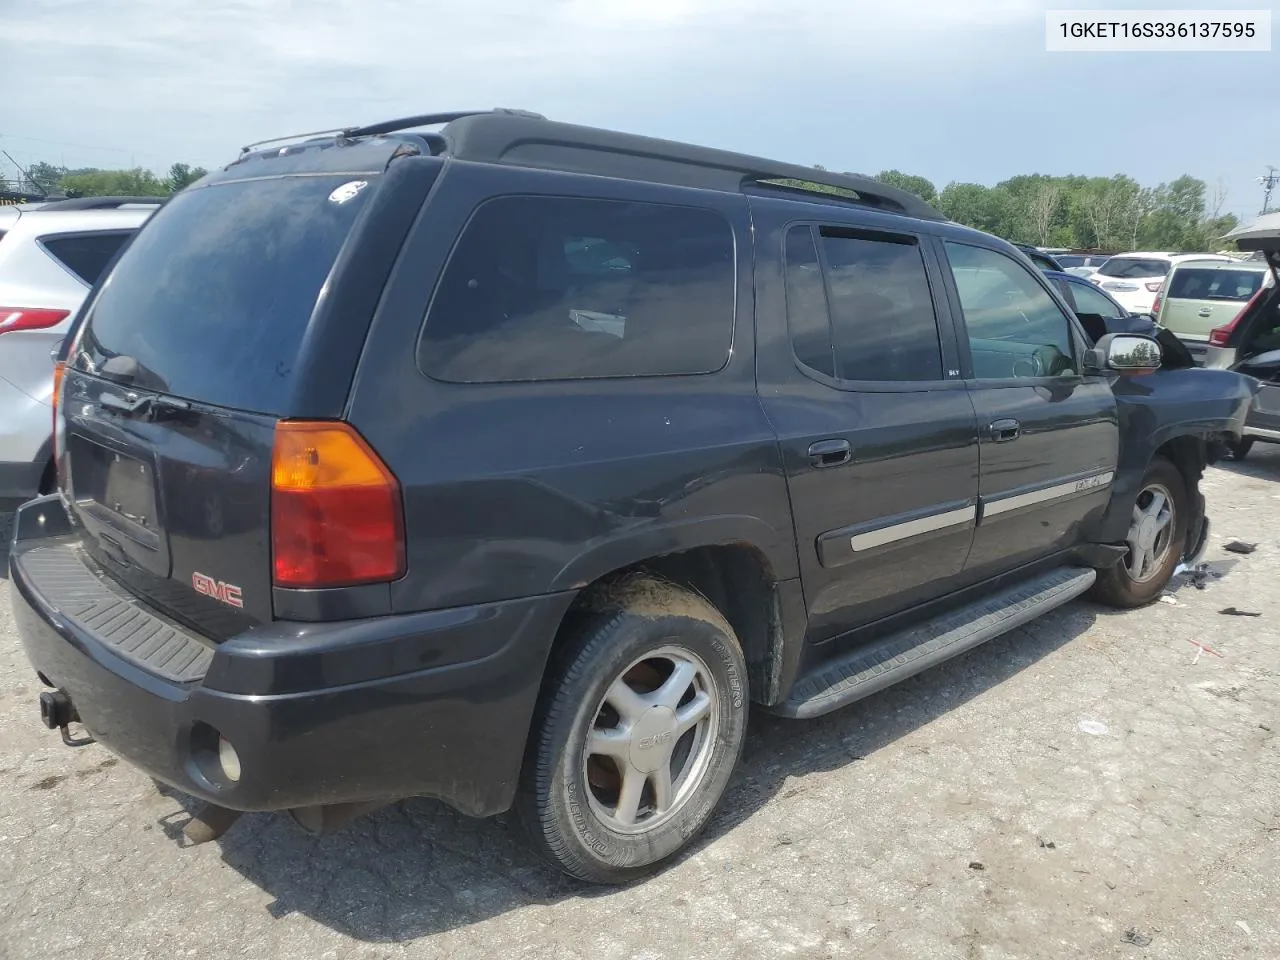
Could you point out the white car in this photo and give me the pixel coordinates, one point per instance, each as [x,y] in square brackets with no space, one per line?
[51,254]
[1135,278]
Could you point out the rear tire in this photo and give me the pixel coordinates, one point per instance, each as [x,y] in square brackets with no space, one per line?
[639,727]
[1156,540]
[1239,449]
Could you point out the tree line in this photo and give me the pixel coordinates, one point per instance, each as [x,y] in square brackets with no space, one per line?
[96,182]
[1088,213]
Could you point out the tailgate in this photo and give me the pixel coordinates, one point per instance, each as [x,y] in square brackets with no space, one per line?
[182,368]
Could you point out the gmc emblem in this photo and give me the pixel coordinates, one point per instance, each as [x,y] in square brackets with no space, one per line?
[227,593]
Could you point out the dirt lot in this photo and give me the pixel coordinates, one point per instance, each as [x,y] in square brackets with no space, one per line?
[1096,785]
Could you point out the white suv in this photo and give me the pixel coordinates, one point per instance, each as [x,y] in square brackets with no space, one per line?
[50,255]
[1135,278]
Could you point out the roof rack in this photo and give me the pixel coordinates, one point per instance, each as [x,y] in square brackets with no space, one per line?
[391,126]
[102,203]
[521,139]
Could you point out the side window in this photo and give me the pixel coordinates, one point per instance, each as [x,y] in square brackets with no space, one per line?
[877,296]
[1089,300]
[561,288]
[87,254]
[807,313]
[1016,330]
[1066,289]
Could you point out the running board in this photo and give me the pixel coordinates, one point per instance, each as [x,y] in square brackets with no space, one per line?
[868,670]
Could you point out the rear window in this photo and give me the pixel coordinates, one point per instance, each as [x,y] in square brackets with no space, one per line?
[559,288]
[1197,283]
[212,298]
[1134,268]
[1070,260]
[86,254]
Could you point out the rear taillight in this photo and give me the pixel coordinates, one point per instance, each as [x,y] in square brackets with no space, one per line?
[59,368]
[1219,336]
[1153,286]
[336,514]
[1155,307]
[30,318]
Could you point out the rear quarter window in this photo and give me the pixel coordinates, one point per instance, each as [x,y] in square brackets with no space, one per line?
[559,288]
[86,254]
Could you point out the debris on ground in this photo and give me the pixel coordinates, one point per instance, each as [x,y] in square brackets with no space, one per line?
[1170,599]
[1095,728]
[1203,648]
[1236,612]
[1137,939]
[1239,546]
[1046,844]
[977,865]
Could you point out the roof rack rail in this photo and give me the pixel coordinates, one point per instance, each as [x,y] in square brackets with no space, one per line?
[432,119]
[102,203]
[523,140]
[292,136]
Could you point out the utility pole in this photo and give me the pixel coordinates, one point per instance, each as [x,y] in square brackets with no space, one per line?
[1269,183]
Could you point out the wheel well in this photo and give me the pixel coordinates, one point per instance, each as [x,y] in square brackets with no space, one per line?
[738,581]
[1188,454]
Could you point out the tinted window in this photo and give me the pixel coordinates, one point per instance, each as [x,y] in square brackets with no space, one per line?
[882,316]
[1134,268]
[1015,327]
[212,298]
[807,303]
[1198,283]
[87,254]
[1089,300]
[553,288]
[1067,260]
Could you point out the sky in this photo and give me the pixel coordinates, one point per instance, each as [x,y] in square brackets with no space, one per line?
[950,89]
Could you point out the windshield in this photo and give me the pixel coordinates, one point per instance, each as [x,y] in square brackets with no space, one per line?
[1134,268]
[211,300]
[1198,283]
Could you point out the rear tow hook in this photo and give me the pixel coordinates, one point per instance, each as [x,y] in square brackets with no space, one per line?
[57,712]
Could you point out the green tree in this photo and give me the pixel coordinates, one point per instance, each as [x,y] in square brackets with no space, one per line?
[182,175]
[922,187]
[115,183]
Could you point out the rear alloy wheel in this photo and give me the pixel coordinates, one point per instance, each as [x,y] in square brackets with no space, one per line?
[640,726]
[1155,541]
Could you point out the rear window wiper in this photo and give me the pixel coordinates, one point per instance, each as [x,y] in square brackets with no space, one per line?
[155,406]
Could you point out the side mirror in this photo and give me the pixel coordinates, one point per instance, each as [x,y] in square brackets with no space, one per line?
[1124,353]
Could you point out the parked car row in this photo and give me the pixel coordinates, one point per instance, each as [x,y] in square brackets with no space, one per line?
[51,254]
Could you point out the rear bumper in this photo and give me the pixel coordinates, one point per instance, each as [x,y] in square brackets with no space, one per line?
[433,704]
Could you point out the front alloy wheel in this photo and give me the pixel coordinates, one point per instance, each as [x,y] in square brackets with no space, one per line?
[1155,542]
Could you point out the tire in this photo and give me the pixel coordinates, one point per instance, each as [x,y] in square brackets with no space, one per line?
[1118,586]
[1240,448]
[582,807]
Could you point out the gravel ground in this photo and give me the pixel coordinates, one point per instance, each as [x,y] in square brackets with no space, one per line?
[1095,785]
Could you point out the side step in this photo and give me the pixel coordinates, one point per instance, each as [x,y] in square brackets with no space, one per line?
[868,670]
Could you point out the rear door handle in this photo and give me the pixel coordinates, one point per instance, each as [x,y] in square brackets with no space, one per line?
[830,453]
[1002,431]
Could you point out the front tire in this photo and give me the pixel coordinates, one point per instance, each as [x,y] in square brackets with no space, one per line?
[639,727]
[1156,540]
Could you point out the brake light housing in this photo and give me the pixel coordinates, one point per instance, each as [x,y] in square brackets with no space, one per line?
[13,319]
[1154,286]
[337,517]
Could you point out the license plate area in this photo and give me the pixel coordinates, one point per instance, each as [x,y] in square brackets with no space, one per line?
[115,490]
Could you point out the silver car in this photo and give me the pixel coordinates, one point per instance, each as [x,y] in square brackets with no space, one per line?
[51,254]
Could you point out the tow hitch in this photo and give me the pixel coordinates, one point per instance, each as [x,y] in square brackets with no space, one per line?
[57,712]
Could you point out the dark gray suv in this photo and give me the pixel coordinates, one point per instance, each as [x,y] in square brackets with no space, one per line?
[508,463]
